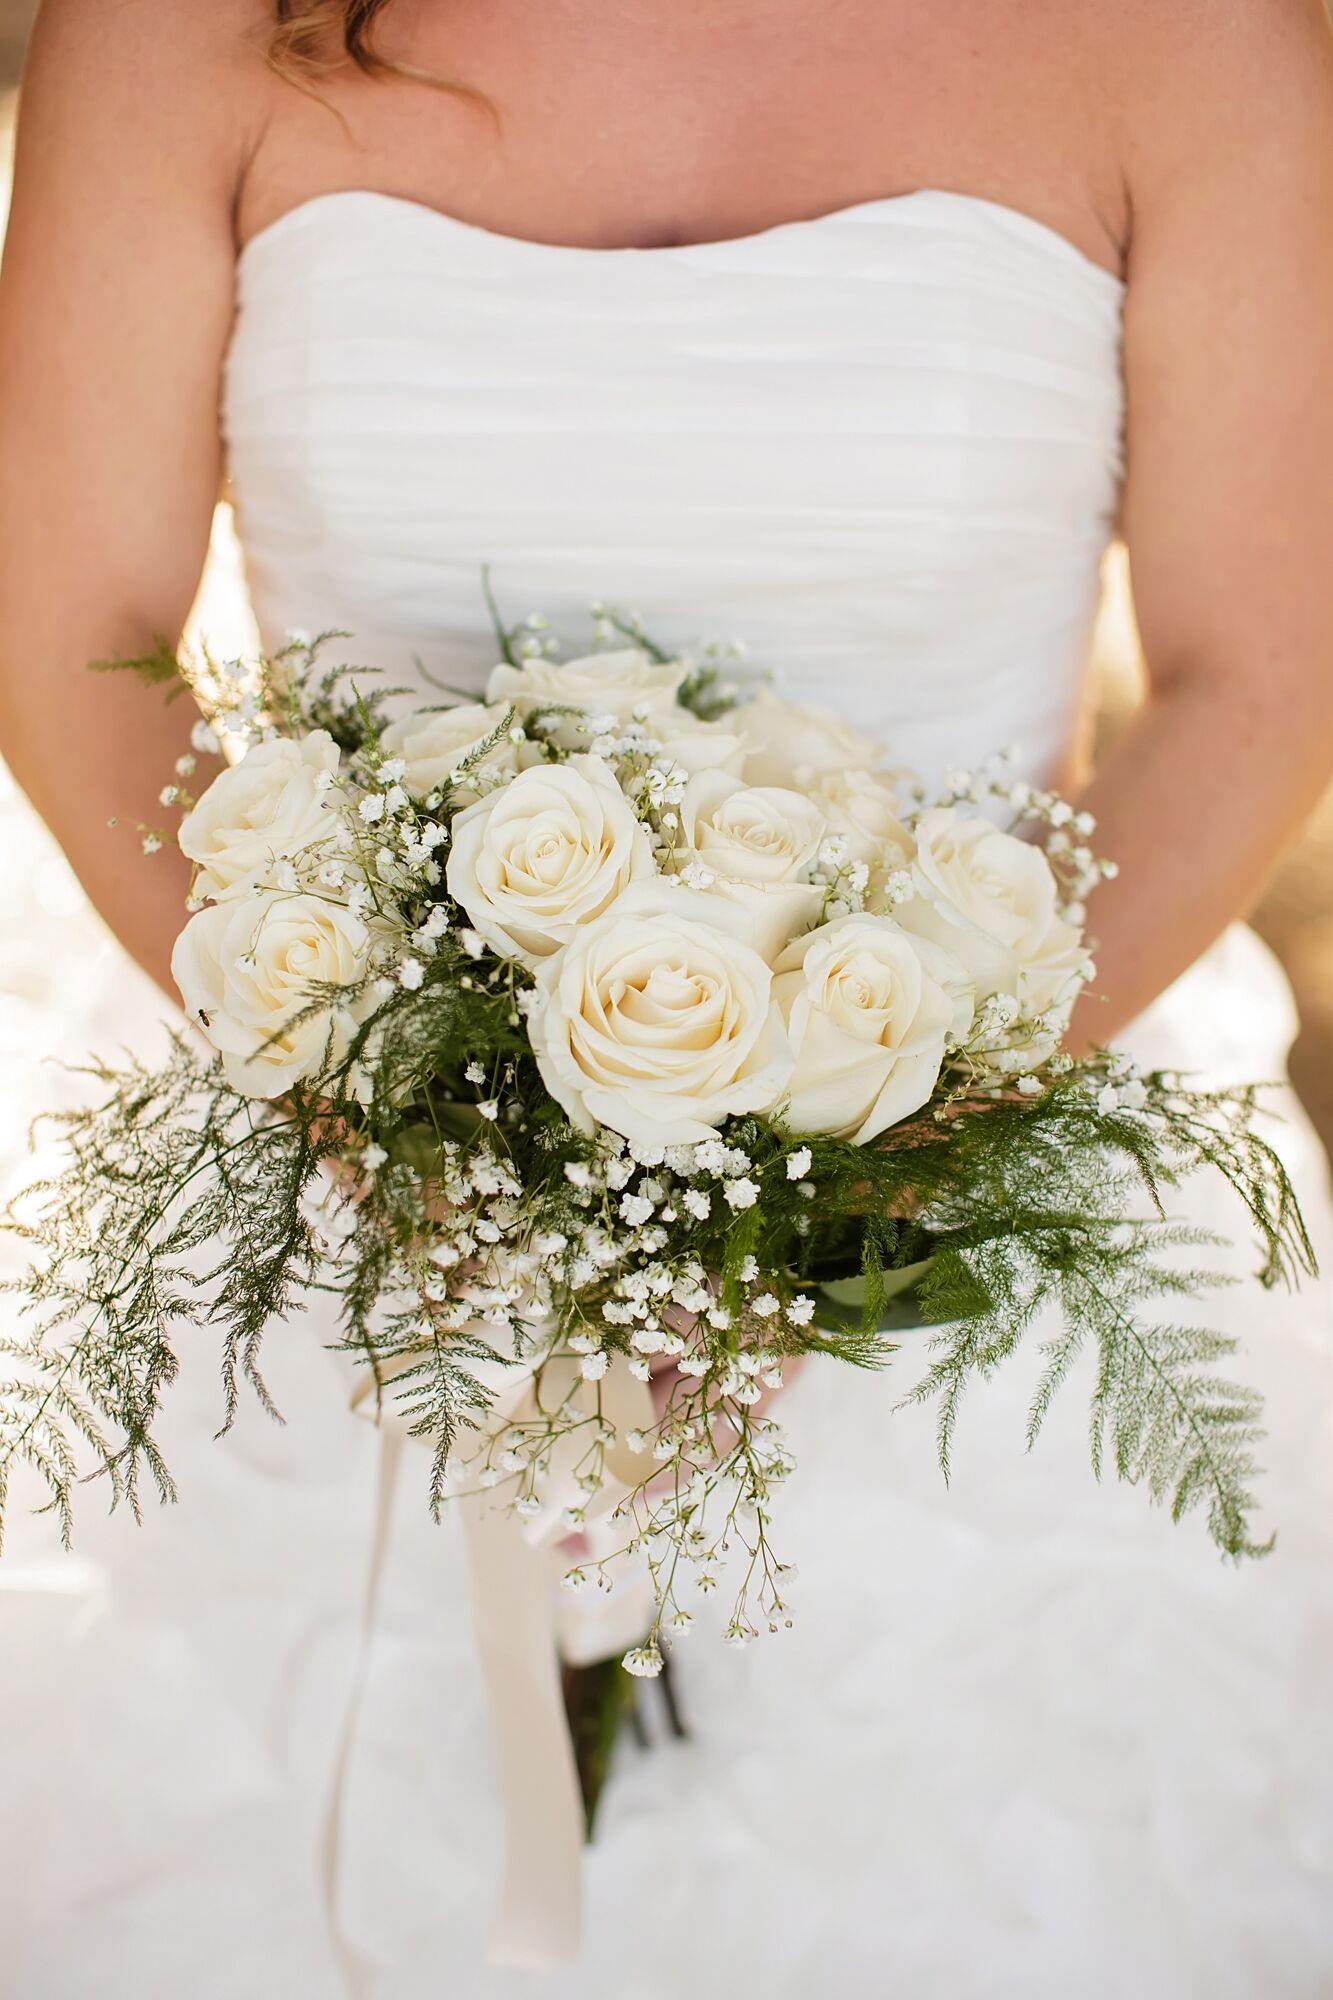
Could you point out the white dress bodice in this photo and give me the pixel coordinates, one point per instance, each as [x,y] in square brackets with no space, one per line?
[883,447]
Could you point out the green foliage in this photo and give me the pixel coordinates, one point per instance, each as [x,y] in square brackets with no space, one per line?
[185,1205]
[157,668]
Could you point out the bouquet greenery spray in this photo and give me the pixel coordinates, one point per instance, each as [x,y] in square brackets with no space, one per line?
[629,1028]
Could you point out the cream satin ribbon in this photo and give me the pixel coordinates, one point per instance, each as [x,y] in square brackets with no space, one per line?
[514,1566]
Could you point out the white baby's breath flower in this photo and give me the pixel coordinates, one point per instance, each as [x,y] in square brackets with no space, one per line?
[699,1204]
[798,1163]
[742,1193]
[411,972]
[645,1662]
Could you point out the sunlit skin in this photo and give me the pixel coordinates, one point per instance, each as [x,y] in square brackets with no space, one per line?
[1185,143]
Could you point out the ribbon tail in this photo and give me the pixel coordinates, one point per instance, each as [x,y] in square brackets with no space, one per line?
[356,1972]
[541,1905]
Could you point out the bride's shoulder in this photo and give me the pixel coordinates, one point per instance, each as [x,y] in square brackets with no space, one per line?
[144,83]
[174,57]
[1188,60]
[170,34]
[1223,108]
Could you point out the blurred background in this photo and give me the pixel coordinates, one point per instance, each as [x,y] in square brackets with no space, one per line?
[47,922]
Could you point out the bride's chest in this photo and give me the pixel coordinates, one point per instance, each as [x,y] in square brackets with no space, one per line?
[901,420]
[609,125]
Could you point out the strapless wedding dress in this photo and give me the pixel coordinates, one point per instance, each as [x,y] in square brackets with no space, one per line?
[1028,1741]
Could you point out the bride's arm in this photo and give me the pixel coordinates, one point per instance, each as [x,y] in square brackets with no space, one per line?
[1228,507]
[115,302]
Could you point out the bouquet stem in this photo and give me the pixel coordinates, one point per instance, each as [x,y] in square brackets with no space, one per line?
[601,1700]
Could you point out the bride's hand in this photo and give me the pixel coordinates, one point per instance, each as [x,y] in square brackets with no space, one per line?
[665,1375]
[662,1383]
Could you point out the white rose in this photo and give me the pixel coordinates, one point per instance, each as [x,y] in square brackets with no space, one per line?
[759,842]
[869,1012]
[686,743]
[659,1021]
[262,810]
[435,743]
[622,684]
[246,969]
[677,740]
[791,741]
[991,899]
[863,811]
[549,852]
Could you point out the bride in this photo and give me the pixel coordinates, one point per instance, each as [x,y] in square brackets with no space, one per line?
[857,331]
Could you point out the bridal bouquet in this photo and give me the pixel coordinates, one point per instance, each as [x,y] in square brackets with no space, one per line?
[627,1032]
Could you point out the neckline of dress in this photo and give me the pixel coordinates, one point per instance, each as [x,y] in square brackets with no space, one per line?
[1017,218]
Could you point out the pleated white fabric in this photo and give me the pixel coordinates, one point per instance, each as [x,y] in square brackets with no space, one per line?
[1028,1740]
[883,447]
